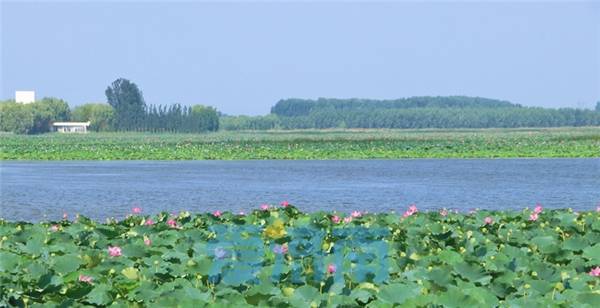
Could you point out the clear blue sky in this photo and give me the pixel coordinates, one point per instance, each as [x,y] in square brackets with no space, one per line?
[243,57]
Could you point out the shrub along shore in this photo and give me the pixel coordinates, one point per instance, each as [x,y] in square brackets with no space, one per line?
[307,144]
[279,256]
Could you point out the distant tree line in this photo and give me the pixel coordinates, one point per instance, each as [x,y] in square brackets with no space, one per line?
[414,112]
[424,112]
[295,107]
[127,111]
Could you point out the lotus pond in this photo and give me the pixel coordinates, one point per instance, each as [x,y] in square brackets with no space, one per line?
[307,144]
[279,256]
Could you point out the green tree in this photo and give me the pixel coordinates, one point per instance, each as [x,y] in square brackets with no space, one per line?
[16,117]
[598,106]
[128,103]
[100,116]
[46,111]
[206,117]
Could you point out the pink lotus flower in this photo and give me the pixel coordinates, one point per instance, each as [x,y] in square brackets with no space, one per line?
[444,212]
[147,241]
[331,268]
[86,279]
[280,249]
[114,251]
[54,228]
[242,213]
[285,203]
[217,213]
[356,214]
[65,216]
[538,208]
[336,219]
[172,223]
[348,219]
[136,210]
[264,207]
[411,210]
[149,222]
[598,209]
[488,220]
[595,272]
[533,216]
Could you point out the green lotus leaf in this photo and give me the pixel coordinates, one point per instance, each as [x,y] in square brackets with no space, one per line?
[49,280]
[589,298]
[145,291]
[450,257]
[34,246]
[592,253]
[230,297]
[100,295]
[305,296]
[131,273]
[195,294]
[441,276]
[79,291]
[66,264]
[546,244]
[8,261]
[35,270]
[107,232]
[472,273]
[134,250]
[543,287]
[455,298]
[238,275]
[398,293]
[575,243]
[482,295]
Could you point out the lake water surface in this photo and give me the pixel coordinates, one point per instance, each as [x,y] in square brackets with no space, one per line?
[44,190]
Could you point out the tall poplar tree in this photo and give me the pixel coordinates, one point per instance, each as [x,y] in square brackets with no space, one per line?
[128,103]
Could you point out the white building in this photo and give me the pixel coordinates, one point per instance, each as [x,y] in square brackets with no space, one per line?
[71,127]
[25,97]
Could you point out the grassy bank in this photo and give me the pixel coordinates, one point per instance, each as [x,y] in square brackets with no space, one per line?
[279,256]
[308,144]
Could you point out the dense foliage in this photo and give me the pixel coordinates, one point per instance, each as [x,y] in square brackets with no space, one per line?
[282,257]
[249,123]
[424,112]
[32,118]
[132,113]
[341,144]
[295,107]
[100,116]
[128,103]
[183,119]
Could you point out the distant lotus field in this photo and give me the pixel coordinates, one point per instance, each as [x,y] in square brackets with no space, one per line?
[306,144]
[278,256]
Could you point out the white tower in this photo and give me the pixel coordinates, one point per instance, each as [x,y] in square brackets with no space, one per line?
[25,97]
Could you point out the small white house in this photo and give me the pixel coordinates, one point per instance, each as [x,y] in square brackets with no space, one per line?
[25,97]
[71,127]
